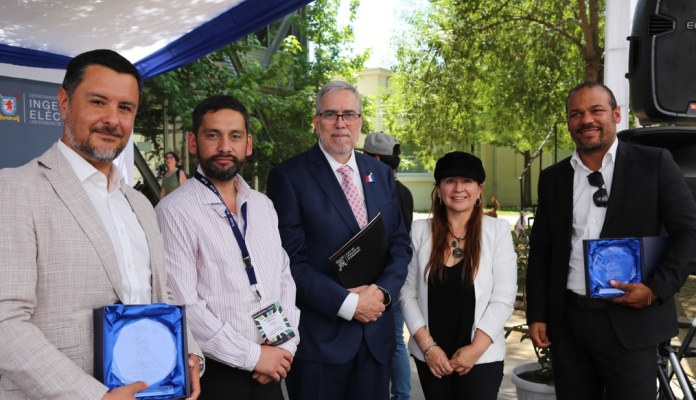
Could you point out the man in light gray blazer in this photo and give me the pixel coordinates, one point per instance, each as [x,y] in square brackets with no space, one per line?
[74,237]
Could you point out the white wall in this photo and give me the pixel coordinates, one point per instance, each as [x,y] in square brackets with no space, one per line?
[618,27]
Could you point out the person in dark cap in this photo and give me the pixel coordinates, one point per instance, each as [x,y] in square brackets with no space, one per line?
[387,149]
[460,288]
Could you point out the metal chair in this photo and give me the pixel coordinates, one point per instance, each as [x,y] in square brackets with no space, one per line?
[669,366]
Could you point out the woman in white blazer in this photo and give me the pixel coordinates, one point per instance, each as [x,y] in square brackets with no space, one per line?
[460,288]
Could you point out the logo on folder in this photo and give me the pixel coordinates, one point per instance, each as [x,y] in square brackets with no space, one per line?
[342,262]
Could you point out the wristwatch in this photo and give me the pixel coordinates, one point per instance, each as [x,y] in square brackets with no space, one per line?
[201,365]
[387,297]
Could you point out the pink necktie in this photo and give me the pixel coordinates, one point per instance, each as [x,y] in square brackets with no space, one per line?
[353,196]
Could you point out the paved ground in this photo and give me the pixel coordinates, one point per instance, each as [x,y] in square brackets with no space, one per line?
[686,310]
[522,352]
[517,353]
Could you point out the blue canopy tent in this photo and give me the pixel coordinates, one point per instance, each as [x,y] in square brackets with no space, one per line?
[39,37]
[156,36]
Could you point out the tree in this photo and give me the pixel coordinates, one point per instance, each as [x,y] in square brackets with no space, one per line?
[279,95]
[491,71]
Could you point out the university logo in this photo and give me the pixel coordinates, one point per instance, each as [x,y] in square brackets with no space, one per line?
[8,107]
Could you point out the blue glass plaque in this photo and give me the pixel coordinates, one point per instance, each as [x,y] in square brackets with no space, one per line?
[626,260]
[142,343]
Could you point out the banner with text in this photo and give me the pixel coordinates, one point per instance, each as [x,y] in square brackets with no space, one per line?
[29,119]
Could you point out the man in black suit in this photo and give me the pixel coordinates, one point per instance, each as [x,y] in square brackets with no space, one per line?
[606,347]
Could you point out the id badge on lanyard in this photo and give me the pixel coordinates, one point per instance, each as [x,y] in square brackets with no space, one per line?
[249,268]
[271,320]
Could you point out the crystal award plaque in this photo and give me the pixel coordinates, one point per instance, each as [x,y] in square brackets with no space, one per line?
[627,260]
[142,343]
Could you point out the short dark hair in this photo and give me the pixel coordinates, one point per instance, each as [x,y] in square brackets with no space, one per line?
[593,84]
[75,71]
[173,154]
[393,160]
[216,103]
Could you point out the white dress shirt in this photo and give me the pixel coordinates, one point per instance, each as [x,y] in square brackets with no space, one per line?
[350,304]
[588,219]
[122,225]
[207,273]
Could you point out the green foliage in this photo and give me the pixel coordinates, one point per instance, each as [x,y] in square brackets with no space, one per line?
[279,96]
[520,240]
[521,243]
[475,71]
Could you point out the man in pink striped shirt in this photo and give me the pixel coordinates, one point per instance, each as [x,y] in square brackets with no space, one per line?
[226,262]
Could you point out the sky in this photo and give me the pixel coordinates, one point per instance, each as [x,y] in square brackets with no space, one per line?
[376,22]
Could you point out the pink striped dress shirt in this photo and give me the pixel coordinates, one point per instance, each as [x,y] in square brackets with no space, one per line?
[207,274]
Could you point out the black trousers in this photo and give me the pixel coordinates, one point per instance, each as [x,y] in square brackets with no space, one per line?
[222,382]
[589,362]
[481,383]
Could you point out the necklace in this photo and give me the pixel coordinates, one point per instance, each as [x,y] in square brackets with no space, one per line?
[456,251]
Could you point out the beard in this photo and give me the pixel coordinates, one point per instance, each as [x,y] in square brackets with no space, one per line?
[343,145]
[212,171]
[598,145]
[86,148]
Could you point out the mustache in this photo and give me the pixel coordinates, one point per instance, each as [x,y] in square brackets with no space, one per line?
[341,132]
[589,126]
[109,129]
[225,156]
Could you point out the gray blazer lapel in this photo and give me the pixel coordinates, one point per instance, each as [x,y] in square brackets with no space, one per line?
[64,181]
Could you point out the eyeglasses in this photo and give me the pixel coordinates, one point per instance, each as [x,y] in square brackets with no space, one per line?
[600,197]
[331,117]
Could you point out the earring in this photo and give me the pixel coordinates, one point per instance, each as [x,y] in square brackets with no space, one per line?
[478,202]
[440,198]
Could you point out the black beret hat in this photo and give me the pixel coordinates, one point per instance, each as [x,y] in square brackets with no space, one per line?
[460,164]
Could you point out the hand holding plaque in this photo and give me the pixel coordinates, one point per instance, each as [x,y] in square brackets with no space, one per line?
[625,260]
[142,343]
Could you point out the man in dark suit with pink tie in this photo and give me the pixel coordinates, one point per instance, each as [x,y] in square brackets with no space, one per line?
[323,197]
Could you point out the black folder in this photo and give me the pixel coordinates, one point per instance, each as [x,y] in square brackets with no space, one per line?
[654,250]
[628,260]
[361,260]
